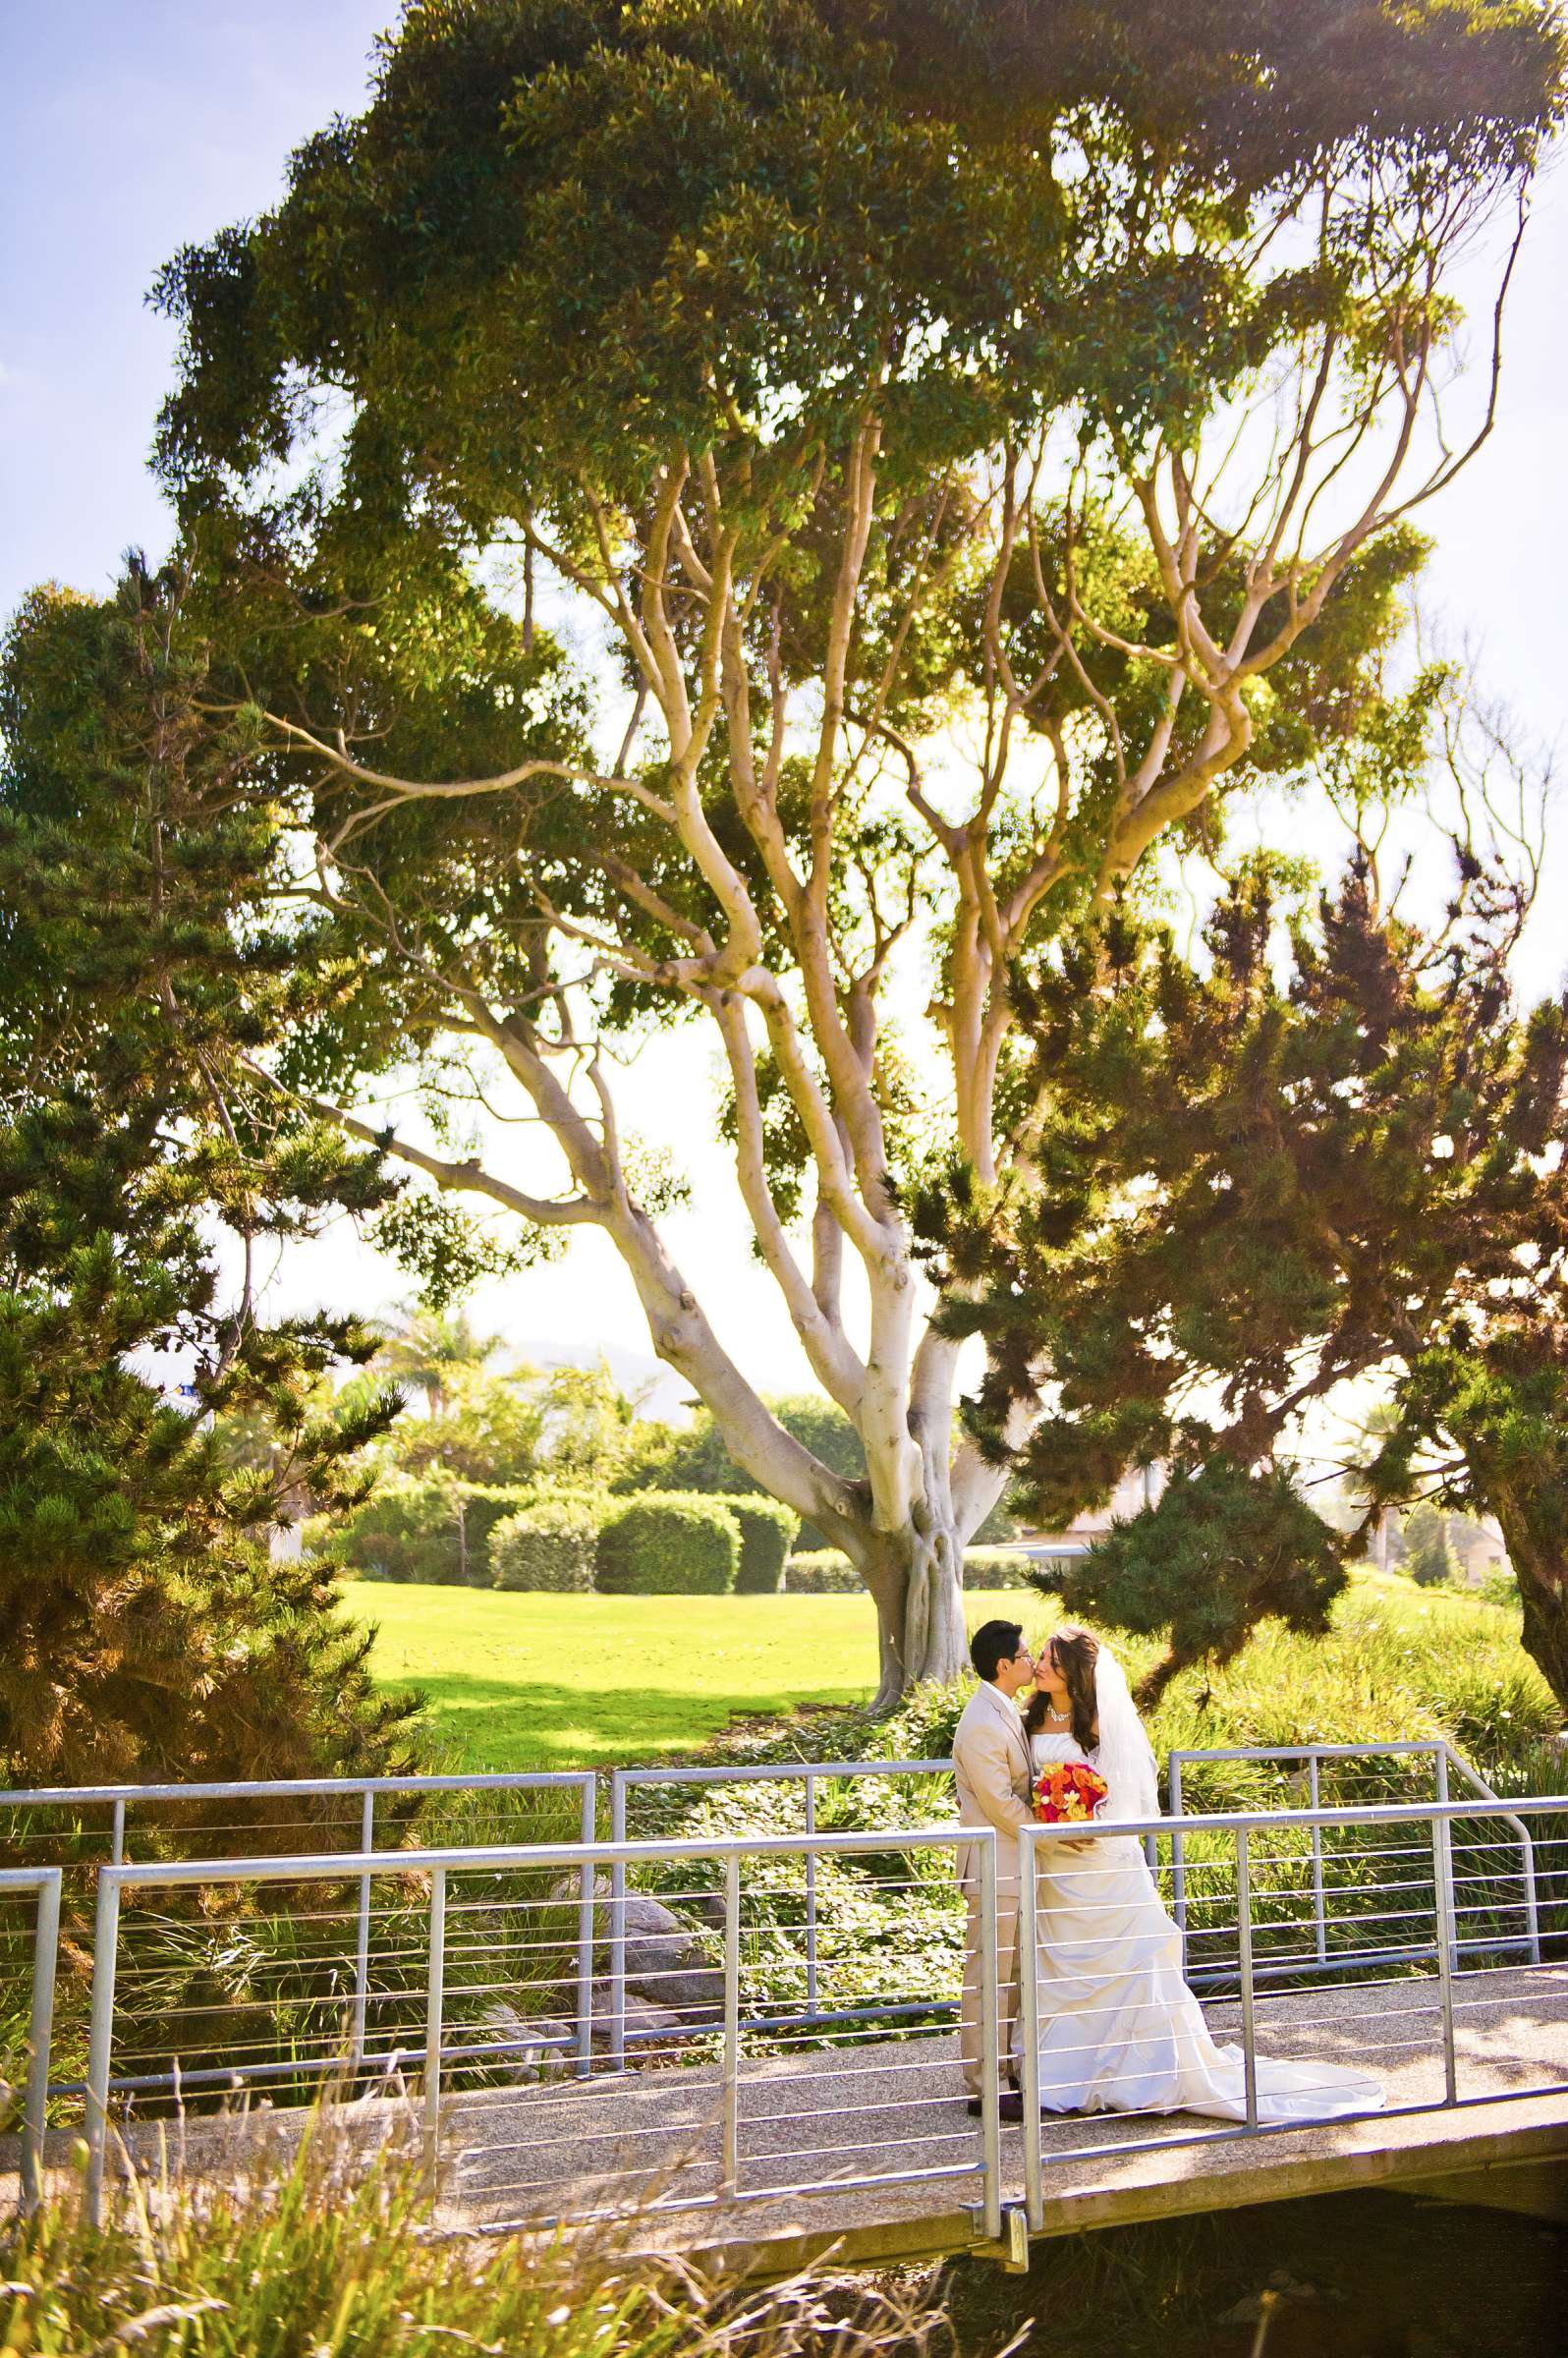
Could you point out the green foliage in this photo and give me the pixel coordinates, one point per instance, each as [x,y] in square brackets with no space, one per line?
[448,1252]
[769,1532]
[1241,1171]
[334,2249]
[551,1543]
[588,1428]
[834,355]
[436,1528]
[1429,1555]
[1220,1551]
[144,1629]
[669,1545]
[695,1457]
[823,1572]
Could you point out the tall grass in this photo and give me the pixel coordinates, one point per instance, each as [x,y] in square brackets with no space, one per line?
[327,2257]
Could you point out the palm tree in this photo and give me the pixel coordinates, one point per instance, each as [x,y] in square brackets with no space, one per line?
[430,1351]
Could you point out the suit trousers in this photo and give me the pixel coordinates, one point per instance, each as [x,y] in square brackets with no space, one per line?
[1007,1984]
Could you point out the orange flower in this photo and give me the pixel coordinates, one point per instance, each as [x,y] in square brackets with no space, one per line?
[1068,1792]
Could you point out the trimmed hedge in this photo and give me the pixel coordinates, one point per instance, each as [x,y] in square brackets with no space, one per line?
[995,1568]
[824,1572]
[768,1530]
[550,1545]
[821,1572]
[428,1531]
[669,1543]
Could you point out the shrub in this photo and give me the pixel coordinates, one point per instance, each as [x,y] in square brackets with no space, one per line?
[428,1531]
[551,1543]
[823,1572]
[669,1543]
[996,1568]
[768,1530]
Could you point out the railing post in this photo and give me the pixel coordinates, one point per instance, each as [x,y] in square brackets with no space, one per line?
[1447,1912]
[40,2027]
[117,1834]
[810,1899]
[361,1937]
[1314,1790]
[585,1933]
[435,2004]
[990,2061]
[731,2164]
[1028,2007]
[1532,1898]
[1527,1848]
[617,1924]
[101,2039]
[1178,1855]
[1244,1934]
[1443,1877]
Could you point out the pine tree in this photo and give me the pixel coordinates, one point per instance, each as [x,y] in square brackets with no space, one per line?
[1246,1188]
[144,1629]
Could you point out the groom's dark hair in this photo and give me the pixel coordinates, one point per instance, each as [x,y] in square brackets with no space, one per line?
[993,1644]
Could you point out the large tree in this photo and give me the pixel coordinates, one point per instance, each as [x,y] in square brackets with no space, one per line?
[984,433]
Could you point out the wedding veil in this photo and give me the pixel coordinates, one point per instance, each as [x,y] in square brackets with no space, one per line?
[1124,1756]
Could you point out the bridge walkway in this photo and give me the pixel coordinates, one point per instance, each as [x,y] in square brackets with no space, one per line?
[828,2122]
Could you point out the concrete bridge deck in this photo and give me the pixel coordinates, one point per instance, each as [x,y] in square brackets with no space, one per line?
[827,2120]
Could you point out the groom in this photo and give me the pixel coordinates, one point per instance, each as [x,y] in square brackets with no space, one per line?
[991,1771]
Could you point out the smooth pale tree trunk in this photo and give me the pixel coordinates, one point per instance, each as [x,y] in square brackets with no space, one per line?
[914,1576]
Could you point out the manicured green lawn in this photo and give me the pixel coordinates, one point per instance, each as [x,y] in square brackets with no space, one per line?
[574,1682]
[566,1682]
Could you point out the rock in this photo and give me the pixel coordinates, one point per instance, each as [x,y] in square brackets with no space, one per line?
[666,1965]
[642,2017]
[530,2050]
[570,1886]
[544,2048]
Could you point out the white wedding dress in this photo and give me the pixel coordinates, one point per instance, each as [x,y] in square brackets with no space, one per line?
[1119,2029]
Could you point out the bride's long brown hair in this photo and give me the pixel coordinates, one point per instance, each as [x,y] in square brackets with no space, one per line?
[1074,1652]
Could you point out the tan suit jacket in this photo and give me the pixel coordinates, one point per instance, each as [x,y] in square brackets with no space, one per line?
[991,1772]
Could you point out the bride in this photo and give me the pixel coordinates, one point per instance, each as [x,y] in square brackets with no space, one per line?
[1120,2031]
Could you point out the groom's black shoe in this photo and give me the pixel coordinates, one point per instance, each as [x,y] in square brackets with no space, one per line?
[1009,2105]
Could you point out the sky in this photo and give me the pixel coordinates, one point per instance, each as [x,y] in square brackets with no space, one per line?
[131,127]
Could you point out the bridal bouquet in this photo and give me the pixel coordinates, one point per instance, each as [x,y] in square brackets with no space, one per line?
[1067,1792]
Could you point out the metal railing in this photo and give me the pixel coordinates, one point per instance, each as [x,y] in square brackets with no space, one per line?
[737,2105]
[125,1804]
[1346,1896]
[1395,2007]
[810,1776]
[734,2101]
[42,1883]
[119,1800]
[461,1931]
[1447,1765]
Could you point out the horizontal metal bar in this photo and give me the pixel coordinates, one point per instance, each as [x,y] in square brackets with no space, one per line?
[491,1782]
[1303,1752]
[27,1878]
[311,1866]
[772,1770]
[314,1866]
